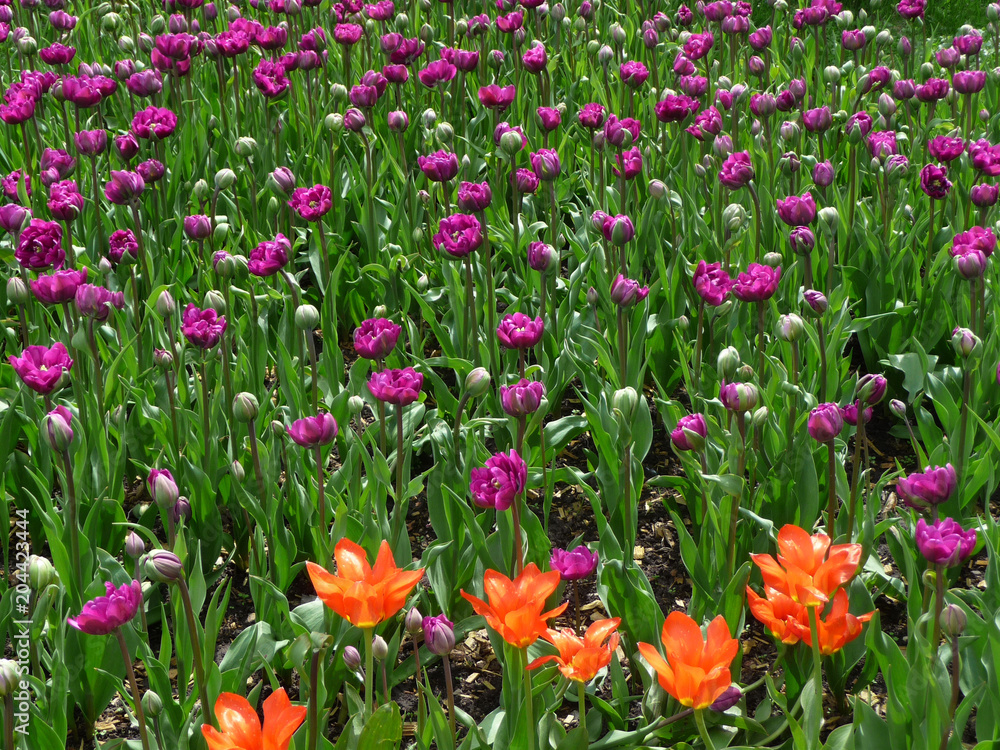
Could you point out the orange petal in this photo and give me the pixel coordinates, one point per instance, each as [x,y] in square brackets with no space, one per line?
[720,647]
[774,575]
[216,740]
[682,639]
[497,586]
[238,721]
[544,585]
[599,631]
[385,565]
[798,548]
[352,562]
[657,662]
[281,719]
[542,660]
[398,588]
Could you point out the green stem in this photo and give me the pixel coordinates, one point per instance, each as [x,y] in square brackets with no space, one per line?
[72,520]
[699,719]
[199,667]
[449,686]
[939,573]
[369,671]
[581,692]
[8,721]
[529,704]
[817,657]
[133,685]
[831,490]
[205,415]
[398,512]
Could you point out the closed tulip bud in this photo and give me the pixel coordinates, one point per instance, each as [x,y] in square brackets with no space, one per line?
[683,322]
[993,12]
[734,216]
[125,44]
[237,471]
[56,429]
[224,179]
[953,620]
[898,408]
[27,45]
[700,171]
[445,133]
[871,389]
[625,400]
[831,73]
[618,35]
[306,318]
[510,143]
[744,374]
[816,302]
[829,220]
[984,115]
[657,189]
[380,649]
[790,327]
[17,291]
[163,359]
[277,428]
[728,362]
[245,147]
[163,566]
[352,658]
[477,382]
[592,296]
[884,37]
[152,704]
[439,634]
[739,397]
[965,343]
[339,93]
[213,299]
[414,622]
[759,418]
[10,677]
[40,573]
[772,259]
[886,105]
[181,510]
[245,407]
[134,545]
[423,282]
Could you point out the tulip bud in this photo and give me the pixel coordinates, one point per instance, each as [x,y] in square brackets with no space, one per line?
[40,573]
[829,220]
[790,327]
[832,74]
[625,400]
[683,323]
[306,318]
[728,362]
[817,303]
[181,510]
[277,428]
[237,471]
[57,431]
[134,545]
[772,259]
[953,620]
[510,143]
[657,189]
[898,408]
[445,133]
[27,45]
[439,634]
[871,389]
[213,299]
[152,704]
[477,382]
[163,566]
[224,179]
[734,217]
[414,622]
[17,291]
[380,649]
[965,343]
[245,147]
[245,407]
[163,359]
[592,296]
[759,418]
[10,677]
[886,105]
[352,658]
[993,12]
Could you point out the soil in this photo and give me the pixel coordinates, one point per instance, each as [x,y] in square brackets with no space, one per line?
[477,674]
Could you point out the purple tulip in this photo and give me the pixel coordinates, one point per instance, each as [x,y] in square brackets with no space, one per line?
[91,142]
[458,235]
[441,166]
[944,542]
[737,171]
[850,413]
[675,108]
[757,283]
[910,9]
[574,564]
[853,41]
[375,338]
[969,81]
[797,211]
[825,422]
[197,228]
[985,195]
[633,74]
[202,328]
[96,302]
[39,246]
[707,124]
[313,432]
[124,188]
[436,73]
[13,217]
[823,174]
[122,241]
[802,240]
[627,292]
[934,182]
[41,368]
[105,614]
[945,149]
[698,45]
[861,122]
[712,283]
[65,201]
[591,116]
[690,433]
[397,387]
[522,398]
[519,331]
[269,256]
[154,122]
[496,98]
[535,59]
[151,171]
[59,287]
[474,197]
[127,146]
[439,634]
[545,163]
[970,44]
[904,90]
[549,118]
[739,397]
[497,484]
[929,488]
[980,238]
[817,120]
[311,204]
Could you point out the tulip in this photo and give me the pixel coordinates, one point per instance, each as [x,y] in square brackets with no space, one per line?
[944,542]
[105,614]
[474,197]
[696,670]
[519,331]
[269,256]
[202,328]
[124,187]
[580,659]
[934,182]
[808,569]
[929,488]
[739,397]
[627,292]
[311,204]
[797,211]
[154,122]
[375,338]
[591,116]
[545,163]
[313,432]
[59,287]
[39,246]
[397,387]
[439,634]
[458,235]
[690,433]
[522,398]
[240,727]
[500,482]
[945,149]
[41,368]
[540,256]
[122,241]
[496,98]
[514,610]
[575,564]
[618,230]
[758,283]
[825,422]
[712,283]
[676,108]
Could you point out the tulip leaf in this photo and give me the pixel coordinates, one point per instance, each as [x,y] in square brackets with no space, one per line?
[384,730]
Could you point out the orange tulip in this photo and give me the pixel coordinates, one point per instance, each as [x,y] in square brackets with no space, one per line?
[515,608]
[779,614]
[838,628]
[696,671]
[241,729]
[580,659]
[361,594]
[808,569]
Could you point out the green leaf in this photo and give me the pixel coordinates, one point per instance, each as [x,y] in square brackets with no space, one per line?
[383,731]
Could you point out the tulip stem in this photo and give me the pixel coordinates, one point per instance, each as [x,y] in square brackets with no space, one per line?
[697,348]
[369,671]
[699,719]
[939,573]
[515,508]
[529,703]
[954,692]
[817,659]
[98,377]
[859,438]
[963,428]
[581,692]
[760,339]
[831,490]
[321,498]
[73,522]
[448,683]
[821,333]
[136,698]
[473,328]
[206,423]
[199,667]
[491,305]
[314,701]
[734,514]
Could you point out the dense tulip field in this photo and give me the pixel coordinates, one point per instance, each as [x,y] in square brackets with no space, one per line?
[532,375]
